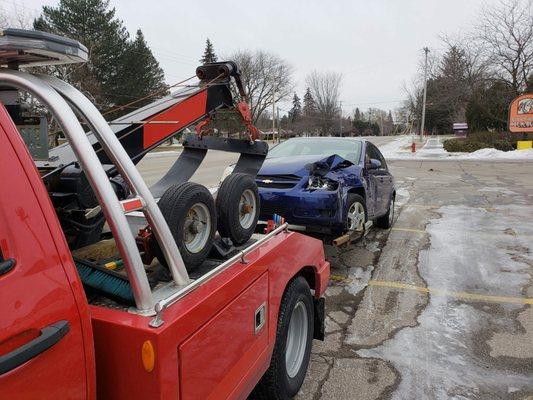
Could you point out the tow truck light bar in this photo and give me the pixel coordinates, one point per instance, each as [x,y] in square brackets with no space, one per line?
[19,47]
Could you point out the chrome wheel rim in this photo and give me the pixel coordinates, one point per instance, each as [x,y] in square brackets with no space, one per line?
[197,228]
[247,209]
[356,217]
[296,339]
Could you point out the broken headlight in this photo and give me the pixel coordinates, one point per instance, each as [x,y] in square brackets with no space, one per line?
[319,182]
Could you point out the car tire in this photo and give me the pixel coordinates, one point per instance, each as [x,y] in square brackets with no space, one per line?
[287,371]
[192,204]
[386,221]
[352,200]
[236,192]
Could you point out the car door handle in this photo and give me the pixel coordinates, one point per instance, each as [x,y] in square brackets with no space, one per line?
[7,265]
[48,337]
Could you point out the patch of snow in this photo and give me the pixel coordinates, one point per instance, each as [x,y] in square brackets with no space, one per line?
[482,154]
[359,278]
[402,196]
[373,247]
[399,149]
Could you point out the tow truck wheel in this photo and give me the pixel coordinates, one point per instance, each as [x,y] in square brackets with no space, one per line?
[189,210]
[237,207]
[292,350]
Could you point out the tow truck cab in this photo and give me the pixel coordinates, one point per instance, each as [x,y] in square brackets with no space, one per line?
[212,337]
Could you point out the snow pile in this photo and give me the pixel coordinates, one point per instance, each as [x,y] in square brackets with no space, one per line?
[400,149]
[498,154]
[397,147]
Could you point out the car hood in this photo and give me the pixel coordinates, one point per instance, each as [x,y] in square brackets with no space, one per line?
[302,165]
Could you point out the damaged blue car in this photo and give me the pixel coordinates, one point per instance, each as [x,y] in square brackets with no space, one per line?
[327,185]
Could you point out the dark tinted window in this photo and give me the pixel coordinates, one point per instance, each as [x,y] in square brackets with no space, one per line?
[373,152]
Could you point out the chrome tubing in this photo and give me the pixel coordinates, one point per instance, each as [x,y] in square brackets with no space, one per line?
[97,177]
[114,149]
[161,305]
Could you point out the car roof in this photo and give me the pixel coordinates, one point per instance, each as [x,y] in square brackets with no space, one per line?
[346,139]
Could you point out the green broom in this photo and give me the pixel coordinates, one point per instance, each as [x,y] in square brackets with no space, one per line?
[105,281]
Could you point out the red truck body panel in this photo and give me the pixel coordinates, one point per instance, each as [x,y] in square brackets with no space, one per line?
[207,346]
[43,287]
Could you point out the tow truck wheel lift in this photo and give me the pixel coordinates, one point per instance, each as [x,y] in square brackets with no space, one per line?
[111,149]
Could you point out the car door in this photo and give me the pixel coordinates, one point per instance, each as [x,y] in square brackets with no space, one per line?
[382,179]
[41,343]
[372,192]
[386,182]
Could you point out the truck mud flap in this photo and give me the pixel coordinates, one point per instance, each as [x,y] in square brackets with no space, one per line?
[194,150]
[320,326]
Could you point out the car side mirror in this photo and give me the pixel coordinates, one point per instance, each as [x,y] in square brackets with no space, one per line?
[374,164]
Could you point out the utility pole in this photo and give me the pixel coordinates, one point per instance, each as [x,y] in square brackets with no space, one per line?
[273,116]
[340,118]
[426,51]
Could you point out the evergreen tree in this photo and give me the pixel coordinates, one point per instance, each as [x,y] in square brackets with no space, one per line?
[141,74]
[105,76]
[357,115]
[296,111]
[309,104]
[209,53]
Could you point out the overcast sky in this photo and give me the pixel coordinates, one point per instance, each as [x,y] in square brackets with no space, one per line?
[375,44]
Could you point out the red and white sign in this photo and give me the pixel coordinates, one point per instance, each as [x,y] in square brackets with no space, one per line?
[521,114]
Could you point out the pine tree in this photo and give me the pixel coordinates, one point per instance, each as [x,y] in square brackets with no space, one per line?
[357,115]
[105,76]
[209,53]
[309,104]
[296,111]
[141,74]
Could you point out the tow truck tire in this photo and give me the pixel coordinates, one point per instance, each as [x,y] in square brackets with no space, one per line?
[181,204]
[290,358]
[237,207]
[385,221]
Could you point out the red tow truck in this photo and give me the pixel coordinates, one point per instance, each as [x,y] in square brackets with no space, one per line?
[73,327]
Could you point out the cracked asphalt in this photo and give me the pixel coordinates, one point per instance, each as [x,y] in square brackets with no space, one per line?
[440,306]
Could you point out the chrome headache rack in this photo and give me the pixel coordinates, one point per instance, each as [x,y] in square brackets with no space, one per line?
[19,48]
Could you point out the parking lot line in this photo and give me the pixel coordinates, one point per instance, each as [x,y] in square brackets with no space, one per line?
[432,206]
[447,293]
[408,230]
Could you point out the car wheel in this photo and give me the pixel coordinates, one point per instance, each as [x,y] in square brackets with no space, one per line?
[386,220]
[292,350]
[237,207]
[189,210]
[356,216]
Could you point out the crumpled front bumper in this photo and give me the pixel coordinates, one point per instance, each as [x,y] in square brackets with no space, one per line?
[318,208]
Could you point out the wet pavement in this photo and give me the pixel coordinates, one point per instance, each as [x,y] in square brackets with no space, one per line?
[439,307]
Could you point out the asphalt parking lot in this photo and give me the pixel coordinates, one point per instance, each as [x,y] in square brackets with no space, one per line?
[438,307]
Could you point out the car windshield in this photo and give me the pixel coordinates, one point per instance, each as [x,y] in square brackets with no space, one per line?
[348,149]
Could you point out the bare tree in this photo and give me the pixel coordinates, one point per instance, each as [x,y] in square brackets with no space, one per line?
[17,16]
[266,76]
[505,32]
[325,88]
